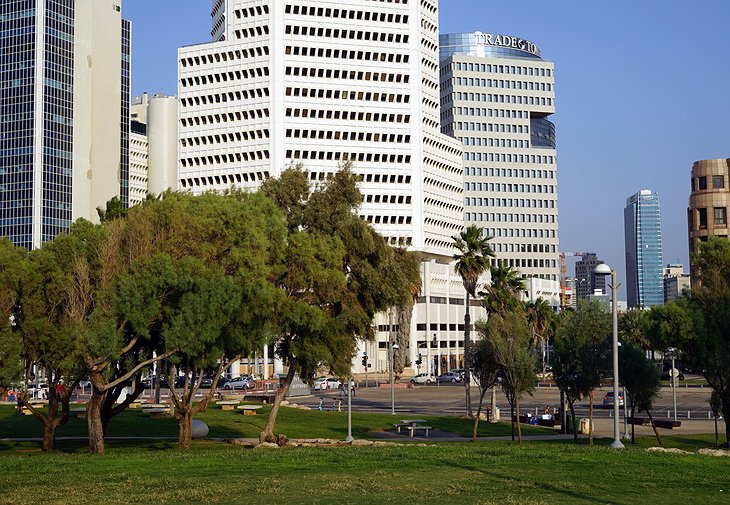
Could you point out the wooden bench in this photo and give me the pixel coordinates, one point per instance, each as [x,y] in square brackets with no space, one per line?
[638,421]
[249,410]
[155,412]
[227,404]
[80,413]
[667,423]
[414,428]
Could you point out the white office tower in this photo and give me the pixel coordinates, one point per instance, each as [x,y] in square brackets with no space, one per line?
[321,82]
[497,93]
[153,146]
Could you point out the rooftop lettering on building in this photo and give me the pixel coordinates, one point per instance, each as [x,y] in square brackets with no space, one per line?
[490,39]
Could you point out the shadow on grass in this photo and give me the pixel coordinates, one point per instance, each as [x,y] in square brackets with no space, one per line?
[570,495]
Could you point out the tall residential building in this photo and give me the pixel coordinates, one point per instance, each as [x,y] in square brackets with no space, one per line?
[64,114]
[153,146]
[643,244]
[708,203]
[321,83]
[497,93]
[586,281]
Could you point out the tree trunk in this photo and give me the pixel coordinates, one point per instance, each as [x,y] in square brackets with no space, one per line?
[590,420]
[651,419]
[726,418]
[185,429]
[633,427]
[572,421]
[268,434]
[49,435]
[519,428]
[512,416]
[476,418]
[493,405]
[467,372]
[93,418]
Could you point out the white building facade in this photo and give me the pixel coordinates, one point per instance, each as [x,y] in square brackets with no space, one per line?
[497,93]
[322,82]
[153,146]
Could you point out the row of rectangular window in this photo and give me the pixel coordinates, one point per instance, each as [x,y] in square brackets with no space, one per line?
[510,158]
[497,83]
[502,69]
[513,232]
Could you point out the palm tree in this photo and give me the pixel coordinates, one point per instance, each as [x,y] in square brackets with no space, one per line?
[503,293]
[541,317]
[471,262]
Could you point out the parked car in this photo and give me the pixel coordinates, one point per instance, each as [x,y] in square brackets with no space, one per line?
[608,399]
[449,377]
[150,382]
[665,375]
[423,378]
[460,371]
[323,383]
[242,382]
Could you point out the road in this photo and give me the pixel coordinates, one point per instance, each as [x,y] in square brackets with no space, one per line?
[449,399]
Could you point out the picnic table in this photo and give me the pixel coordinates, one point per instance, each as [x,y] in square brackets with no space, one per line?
[249,410]
[227,404]
[155,412]
[412,425]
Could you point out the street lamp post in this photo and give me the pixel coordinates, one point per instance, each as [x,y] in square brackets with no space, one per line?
[673,377]
[604,269]
[349,437]
[391,354]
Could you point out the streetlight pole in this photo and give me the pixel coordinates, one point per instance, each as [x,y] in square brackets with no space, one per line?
[349,437]
[604,269]
[672,377]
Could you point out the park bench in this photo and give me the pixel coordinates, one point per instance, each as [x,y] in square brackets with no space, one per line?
[667,423]
[154,412]
[80,413]
[639,421]
[414,428]
[136,404]
[405,423]
[659,423]
[249,410]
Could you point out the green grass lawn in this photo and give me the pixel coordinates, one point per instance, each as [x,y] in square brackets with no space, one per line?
[294,423]
[446,473]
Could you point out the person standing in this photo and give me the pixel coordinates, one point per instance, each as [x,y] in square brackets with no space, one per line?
[352,388]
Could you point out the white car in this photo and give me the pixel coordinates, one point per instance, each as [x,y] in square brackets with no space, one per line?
[423,378]
[243,382]
[323,383]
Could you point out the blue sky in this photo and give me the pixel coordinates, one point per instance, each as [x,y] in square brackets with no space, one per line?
[641,93]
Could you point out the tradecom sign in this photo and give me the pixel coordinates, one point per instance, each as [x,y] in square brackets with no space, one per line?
[491,39]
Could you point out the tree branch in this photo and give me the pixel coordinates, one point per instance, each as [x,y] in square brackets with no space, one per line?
[107,387]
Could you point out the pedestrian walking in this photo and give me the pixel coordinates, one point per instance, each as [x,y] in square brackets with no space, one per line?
[352,388]
[321,403]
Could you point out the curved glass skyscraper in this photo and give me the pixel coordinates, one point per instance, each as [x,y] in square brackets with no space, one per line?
[497,93]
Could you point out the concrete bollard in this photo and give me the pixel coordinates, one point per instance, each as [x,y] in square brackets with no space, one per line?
[688,414]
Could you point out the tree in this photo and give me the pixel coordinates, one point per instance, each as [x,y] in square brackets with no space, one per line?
[640,380]
[472,261]
[44,329]
[708,346]
[485,369]
[509,338]
[633,327]
[13,272]
[541,318]
[582,355]
[504,290]
[210,274]
[105,338]
[337,274]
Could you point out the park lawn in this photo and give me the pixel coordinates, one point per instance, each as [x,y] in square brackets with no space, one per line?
[295,423]
[447,473]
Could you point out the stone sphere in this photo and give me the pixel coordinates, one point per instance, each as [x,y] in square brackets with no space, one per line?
[200,429]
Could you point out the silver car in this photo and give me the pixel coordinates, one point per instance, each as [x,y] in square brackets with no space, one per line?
[449,377]
[423,378]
